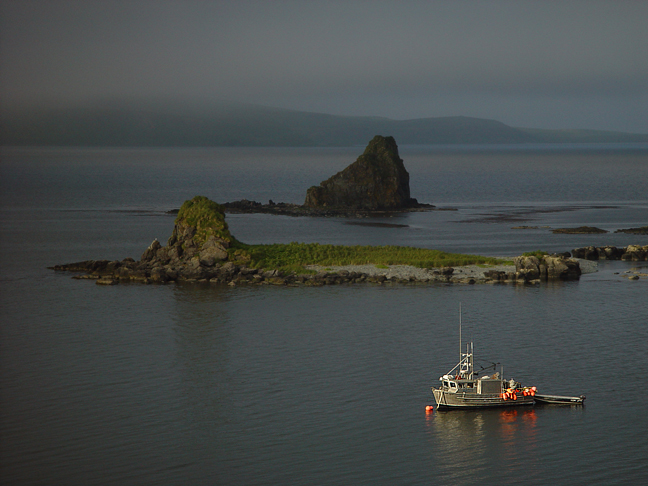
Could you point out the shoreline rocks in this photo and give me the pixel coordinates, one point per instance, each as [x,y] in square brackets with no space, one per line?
[635,253]
[245,206]
[549,267]
[106,272]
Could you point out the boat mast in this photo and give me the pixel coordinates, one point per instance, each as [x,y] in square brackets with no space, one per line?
[460,350]
[465,359]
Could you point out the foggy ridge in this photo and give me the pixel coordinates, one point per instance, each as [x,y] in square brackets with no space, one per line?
[185,125]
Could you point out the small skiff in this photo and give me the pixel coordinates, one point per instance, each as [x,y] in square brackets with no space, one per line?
[558,400]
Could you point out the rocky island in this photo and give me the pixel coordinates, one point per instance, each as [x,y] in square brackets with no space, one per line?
[202,249]
[376,183]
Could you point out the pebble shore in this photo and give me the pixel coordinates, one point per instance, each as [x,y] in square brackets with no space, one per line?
[407,272]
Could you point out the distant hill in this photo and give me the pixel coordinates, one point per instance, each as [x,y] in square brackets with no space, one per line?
[183,125]
[584,136]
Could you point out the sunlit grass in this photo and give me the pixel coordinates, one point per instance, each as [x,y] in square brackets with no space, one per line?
[537,253]
[295,256]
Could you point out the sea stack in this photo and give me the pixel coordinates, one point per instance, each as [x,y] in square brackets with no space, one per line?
[377,180]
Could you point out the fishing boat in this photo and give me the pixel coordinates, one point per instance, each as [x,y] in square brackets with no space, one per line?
[462,387]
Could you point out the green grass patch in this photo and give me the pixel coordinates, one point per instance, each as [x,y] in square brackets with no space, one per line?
[207,217]
[296,256]
[538,254]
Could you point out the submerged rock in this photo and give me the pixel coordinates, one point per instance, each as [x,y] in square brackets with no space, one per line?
[643,230]
[581,230]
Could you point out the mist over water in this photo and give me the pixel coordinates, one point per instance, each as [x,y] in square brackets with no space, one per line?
[207,384]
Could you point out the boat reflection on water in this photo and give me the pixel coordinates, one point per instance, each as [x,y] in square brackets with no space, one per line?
[468,443]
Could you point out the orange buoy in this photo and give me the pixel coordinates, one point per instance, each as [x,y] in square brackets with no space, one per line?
[514,396]
[429,408]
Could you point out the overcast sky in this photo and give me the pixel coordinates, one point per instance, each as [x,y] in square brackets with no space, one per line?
[545,64]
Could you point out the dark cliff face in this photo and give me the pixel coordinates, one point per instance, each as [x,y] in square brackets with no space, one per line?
[376,181]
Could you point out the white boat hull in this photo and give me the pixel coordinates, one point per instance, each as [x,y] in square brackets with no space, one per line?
[445,399]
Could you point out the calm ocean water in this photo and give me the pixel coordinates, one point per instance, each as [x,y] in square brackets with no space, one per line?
[211,385]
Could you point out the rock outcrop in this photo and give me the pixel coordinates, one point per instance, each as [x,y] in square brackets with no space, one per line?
[198,248]
[377,180]
[549,267]
[200,233]
[635,253]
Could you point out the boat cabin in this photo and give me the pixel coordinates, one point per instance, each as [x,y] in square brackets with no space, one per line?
[487,384]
